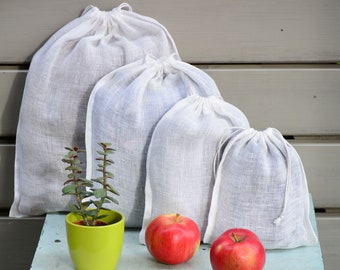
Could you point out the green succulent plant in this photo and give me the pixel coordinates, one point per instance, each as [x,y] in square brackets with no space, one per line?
[90,195]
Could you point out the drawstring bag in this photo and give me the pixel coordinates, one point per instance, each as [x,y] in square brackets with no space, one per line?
[261,185]
[180,158]
[61,77]
[125,107]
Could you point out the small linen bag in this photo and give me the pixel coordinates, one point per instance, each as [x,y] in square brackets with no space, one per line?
[61,77]
[261,185]
[180,158]
[124,109]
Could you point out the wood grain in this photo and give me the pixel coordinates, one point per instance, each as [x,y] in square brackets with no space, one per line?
[321,161]
[214,31]
[328,226]
[296,100]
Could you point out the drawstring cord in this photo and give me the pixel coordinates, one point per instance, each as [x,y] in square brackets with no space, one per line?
[124,6]
[278,220]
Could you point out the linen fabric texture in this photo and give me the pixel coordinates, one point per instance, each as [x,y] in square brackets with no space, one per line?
[180,159]
[261,185]
[125,107]
[60,79]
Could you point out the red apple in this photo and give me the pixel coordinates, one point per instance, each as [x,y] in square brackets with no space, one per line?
[172,238]
[239,249]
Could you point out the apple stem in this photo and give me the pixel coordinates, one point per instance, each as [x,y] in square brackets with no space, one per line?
[236,238]
[177,216]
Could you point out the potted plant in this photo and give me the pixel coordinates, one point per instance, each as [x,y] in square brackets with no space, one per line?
[94,233]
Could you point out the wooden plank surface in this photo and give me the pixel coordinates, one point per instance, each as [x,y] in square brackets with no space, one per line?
[294,99]
[214,31]
[297,100]
[18,241]
[7,153]
[320,159]
[321,162]
[328,225]
[52,252]
[12,82]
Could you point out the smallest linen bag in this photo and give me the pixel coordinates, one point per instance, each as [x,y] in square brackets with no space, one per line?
[181,154]
[261,185]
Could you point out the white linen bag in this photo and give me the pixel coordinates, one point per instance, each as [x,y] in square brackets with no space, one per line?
[261,185]
[180,158]
[61,77]
[125,107]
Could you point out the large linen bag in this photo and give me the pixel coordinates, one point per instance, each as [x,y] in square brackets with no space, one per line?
[125,107]
[61,77]
[261,185]
[180,161]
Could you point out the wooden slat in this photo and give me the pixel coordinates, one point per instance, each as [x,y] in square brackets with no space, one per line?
[12,83]
[7,153]
[296,100]
[321,162]
[214,31]
[328,226]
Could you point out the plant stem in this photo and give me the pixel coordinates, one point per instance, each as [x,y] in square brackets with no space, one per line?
[104,172]
[104,181]
[79,198]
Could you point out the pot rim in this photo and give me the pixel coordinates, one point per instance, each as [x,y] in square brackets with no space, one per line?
[120,219]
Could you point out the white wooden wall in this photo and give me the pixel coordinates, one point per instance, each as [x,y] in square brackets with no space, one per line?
[275,60]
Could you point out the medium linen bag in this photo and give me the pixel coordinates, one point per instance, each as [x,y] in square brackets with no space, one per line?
[60,79]
[261,185]
[125,107]
[180,158]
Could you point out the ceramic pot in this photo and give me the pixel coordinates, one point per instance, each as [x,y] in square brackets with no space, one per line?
[95,247]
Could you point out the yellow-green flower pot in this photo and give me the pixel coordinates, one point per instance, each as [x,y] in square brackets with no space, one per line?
[95,247]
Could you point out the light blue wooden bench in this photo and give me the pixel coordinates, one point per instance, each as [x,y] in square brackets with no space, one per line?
[52,252]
